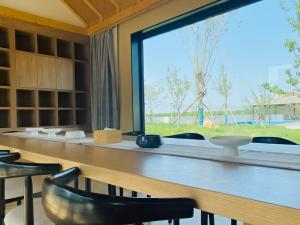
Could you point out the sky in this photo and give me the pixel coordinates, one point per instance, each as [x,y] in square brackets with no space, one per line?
[252,51]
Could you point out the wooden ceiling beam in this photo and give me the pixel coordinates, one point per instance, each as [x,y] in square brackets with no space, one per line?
[31,18]
[74,13]
[92,7]
[125,14]
[115,5]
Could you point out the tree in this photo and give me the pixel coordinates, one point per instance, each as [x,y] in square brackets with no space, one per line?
[293,73]
[206,37]
[152,94]
[223,88]
[177,89]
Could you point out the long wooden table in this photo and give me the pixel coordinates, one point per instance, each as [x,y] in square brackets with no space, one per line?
[255,195]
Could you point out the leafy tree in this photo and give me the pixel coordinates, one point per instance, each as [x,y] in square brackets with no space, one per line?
[177,90]
[152,94]
[223,88]
[206,37]
[293,73]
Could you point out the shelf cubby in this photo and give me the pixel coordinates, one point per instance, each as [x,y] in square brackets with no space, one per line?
[4,98]
[65,117]
[4,118]
[4,78]
[4,38]
[65,99]
[64,48]
[25,98]
[4,59]
[25,41]
[81,79]
[79,50]
[45,45]
[82,117]
[82,100]
[26,118]
[47,118]
[47,99]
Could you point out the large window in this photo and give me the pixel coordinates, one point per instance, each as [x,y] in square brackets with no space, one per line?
[226,69]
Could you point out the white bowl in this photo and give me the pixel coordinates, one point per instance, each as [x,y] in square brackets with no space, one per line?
[52,132]
[231,143]
[34,131]
[75,134]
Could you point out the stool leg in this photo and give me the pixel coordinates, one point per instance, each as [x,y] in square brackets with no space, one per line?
[233,222]
[121,191]
[112,190]
[176,222]
[76,183]
[88,186]
[204,218]
[211,217]
[28,201]
[2,201]
[134,194]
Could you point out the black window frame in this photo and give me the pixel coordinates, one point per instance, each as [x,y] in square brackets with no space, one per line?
[137,53]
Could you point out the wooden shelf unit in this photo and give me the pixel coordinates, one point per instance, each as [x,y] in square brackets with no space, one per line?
[47,99]
[45,45]
[4,77]
[25,41]
[26,118]
[38,78]
[4,37]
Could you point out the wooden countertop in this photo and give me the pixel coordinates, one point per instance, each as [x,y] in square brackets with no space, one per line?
[256,195]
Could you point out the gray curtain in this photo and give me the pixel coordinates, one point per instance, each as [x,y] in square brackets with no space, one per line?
[104,91]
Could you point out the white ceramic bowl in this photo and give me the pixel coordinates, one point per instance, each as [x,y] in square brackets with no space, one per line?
[231,143]
[34,131]
[75,134]
[52,132]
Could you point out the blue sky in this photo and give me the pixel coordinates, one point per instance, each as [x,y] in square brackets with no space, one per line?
[252,50]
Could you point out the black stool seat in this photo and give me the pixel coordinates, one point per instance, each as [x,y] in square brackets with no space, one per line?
[194,136]
[273,140]
[66,205]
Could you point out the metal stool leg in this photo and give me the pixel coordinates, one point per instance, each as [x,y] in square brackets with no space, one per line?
[88,186]
[204,218]
[112,190]
[211,217]
[76,183]
[233,222]
[176,222]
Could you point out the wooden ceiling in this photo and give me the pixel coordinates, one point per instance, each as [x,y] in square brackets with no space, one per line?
[95,15]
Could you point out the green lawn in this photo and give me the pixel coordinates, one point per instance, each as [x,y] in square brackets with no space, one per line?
[249,130]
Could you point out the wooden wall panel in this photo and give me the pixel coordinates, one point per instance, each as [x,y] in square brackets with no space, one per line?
[65,74]
[46,72]
[26,70]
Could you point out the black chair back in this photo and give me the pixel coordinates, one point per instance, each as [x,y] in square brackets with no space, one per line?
[194,136]
[65,205]
[273,140]
[9,169]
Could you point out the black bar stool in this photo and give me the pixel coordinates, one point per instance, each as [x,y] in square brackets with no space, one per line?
[66,205]
[24,214]
[5,156]
[273,140]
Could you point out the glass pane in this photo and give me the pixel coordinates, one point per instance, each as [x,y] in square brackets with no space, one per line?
[232,74]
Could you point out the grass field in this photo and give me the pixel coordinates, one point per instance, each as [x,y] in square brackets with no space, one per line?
[249,130]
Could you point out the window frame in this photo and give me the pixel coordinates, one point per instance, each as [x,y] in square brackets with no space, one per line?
[137,53]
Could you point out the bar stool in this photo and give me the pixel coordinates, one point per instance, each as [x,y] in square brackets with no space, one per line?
[24,214]
[5,156]
[66,205]
[273,140]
